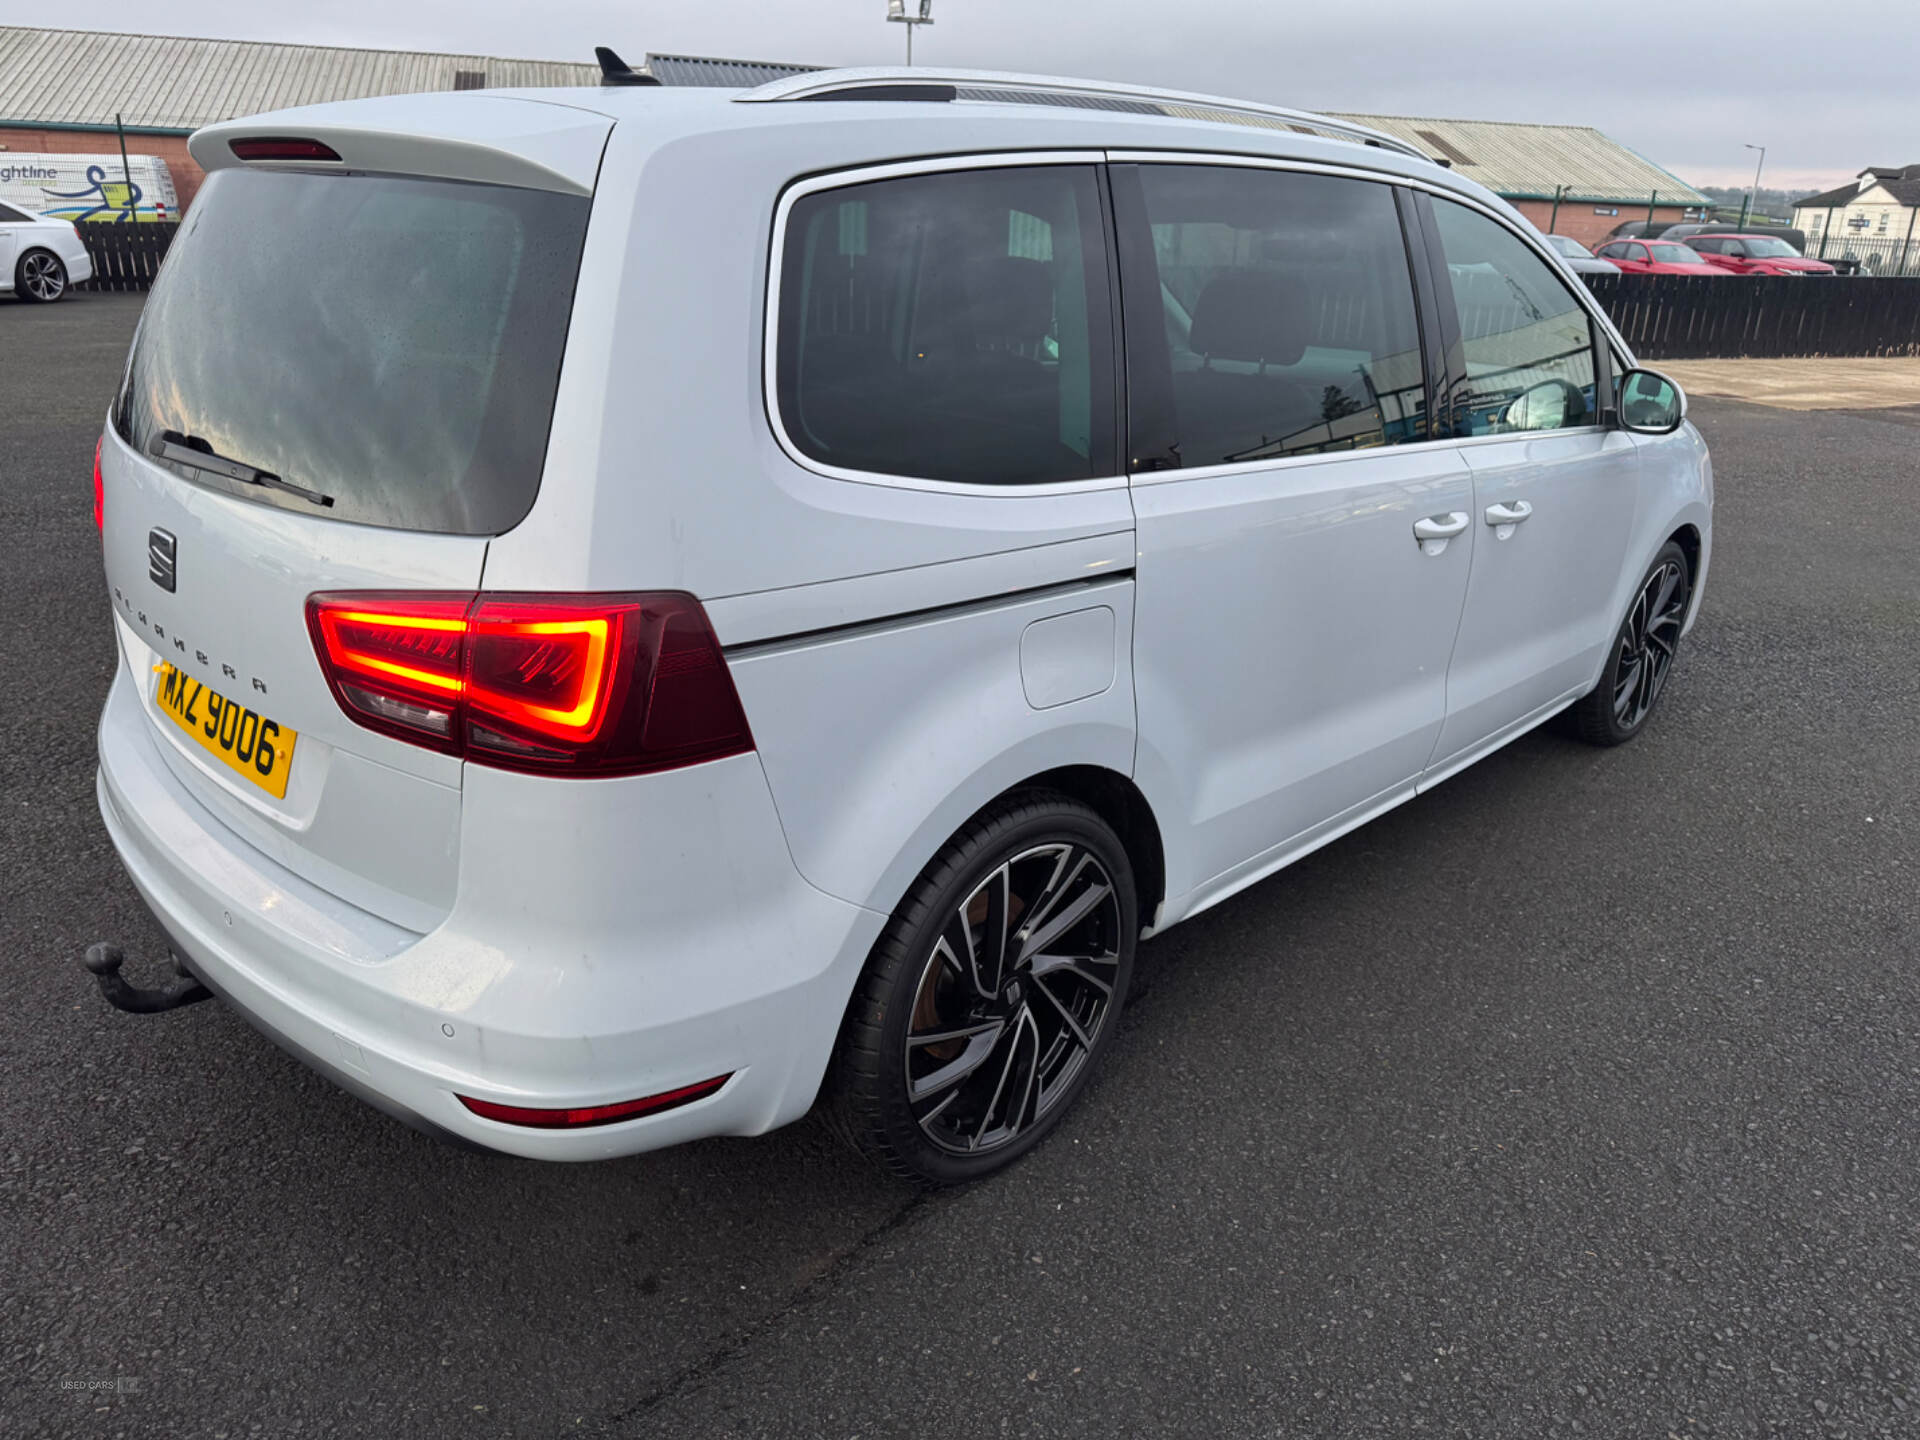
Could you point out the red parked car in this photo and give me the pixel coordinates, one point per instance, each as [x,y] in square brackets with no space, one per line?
[1656,257]
[1755,255]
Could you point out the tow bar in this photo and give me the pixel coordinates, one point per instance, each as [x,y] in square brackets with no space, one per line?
[103,962]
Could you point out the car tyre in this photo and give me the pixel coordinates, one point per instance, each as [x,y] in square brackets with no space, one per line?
[1643,654]
[40,277]
[991,995]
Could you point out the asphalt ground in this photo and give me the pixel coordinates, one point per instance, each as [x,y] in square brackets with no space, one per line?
[1577,1097]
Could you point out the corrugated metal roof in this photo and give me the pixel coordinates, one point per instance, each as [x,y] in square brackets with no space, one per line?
[1528,161]
[730,74]
[166,82]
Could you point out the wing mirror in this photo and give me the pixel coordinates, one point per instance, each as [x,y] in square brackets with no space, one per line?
[1550,405]
[1650,403]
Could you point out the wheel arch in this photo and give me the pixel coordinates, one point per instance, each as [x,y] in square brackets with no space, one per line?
[1118,801]
[1687,537]
[1695,543]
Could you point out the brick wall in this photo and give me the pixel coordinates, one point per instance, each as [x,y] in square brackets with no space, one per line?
[170,148]
[1579,221]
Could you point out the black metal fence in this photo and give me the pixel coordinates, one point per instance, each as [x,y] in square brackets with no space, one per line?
[127,257]
[1663,317]
[1870,254]
[1679,317]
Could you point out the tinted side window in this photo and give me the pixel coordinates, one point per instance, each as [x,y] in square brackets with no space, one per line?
[950,326]
[1528,343]
[10,216]
[1287,317]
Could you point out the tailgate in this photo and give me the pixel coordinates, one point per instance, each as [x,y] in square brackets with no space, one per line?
[366,817]
[343,381]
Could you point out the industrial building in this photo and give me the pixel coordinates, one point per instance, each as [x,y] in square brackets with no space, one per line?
[60,91]
[1567,179]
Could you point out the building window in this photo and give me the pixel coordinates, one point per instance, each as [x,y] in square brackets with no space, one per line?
[469,79]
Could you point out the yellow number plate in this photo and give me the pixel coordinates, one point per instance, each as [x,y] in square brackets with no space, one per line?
[243,740]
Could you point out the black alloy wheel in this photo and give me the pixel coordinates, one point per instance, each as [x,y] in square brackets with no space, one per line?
[1643,653]
[992,993]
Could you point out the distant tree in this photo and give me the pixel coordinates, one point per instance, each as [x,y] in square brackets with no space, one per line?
[1335,403]
[1777,204]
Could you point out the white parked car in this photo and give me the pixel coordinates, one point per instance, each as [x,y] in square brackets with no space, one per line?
[40,257]
[640,608]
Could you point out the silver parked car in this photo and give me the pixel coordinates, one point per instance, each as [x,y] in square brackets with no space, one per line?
[1581,260]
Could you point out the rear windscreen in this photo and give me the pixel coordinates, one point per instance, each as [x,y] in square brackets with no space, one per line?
[391,344]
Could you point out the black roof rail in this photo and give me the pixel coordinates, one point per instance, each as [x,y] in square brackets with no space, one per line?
[615,71]
[887,92]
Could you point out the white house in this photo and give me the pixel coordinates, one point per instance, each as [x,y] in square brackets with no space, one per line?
[1882,204]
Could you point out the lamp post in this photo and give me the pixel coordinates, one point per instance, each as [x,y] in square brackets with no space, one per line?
[897,14]
[1753,195]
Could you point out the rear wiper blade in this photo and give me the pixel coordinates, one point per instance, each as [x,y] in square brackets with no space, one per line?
[197,454]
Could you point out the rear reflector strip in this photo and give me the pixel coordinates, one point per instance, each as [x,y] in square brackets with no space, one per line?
[281,147]
[581,1116]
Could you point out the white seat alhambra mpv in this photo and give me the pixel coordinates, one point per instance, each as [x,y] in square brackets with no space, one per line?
[640,608]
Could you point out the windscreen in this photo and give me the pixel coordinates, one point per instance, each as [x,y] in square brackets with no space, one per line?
[1765,247]
[392,345]
[1676,255]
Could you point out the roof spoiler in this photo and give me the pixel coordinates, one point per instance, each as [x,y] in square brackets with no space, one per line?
[615,71]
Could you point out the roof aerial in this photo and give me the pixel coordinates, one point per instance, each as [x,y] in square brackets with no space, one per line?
[615,71]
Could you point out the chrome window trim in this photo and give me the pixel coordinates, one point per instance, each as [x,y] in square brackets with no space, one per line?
[770,336]
[1334,457]
[1002,159]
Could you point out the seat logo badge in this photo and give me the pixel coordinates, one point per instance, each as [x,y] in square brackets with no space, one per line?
[161,558]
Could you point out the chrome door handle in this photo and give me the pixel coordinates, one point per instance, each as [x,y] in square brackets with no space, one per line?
[1433,533]
[1504,514]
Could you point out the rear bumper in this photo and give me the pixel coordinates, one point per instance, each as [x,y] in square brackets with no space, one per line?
[611,939]
[79,267]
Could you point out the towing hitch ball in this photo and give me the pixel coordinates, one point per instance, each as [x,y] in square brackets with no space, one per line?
[103,962]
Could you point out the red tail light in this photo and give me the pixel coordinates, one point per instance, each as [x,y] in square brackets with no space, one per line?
[579,684]
[281,147]
[99,489]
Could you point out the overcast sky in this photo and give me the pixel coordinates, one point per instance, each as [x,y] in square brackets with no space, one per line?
[1829,90]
